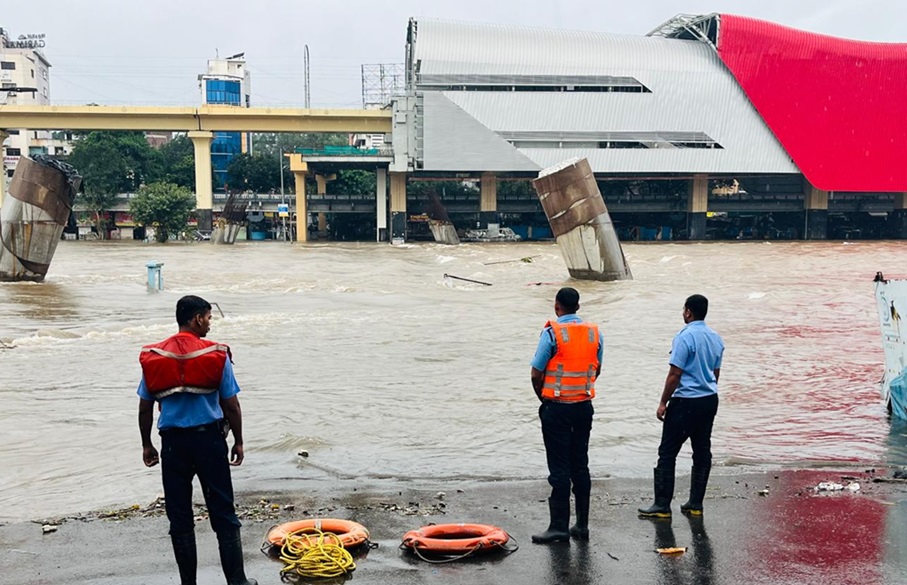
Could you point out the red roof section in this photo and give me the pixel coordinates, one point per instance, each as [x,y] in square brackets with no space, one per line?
[839,107]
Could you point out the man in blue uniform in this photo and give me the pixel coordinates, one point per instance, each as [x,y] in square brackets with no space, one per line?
[192,381]
[566,363]
[688,406]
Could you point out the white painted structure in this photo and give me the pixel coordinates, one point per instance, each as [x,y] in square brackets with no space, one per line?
[500,98]
[23,67]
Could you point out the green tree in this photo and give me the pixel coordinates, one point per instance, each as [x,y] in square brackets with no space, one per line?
[177,163]
[111,163]
[256,172]
[353,182]
[164,206]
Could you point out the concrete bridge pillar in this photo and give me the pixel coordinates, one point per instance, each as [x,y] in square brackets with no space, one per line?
[381,204]
[897,221]
[3,136]
[697,207]
[321,183]
[204,193]
[398,207]
[300,169]
[488,198]
[815,204]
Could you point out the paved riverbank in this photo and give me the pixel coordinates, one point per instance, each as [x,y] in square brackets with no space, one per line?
[758,528]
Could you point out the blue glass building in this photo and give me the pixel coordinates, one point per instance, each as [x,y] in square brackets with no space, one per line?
[225,145]
[227,83]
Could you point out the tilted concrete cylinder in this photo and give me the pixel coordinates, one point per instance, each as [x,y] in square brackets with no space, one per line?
[33,216]
[580,222]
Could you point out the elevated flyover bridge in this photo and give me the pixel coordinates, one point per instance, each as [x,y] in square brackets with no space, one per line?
[199,123]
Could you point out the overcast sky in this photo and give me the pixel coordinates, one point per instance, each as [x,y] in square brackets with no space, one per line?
[144,53]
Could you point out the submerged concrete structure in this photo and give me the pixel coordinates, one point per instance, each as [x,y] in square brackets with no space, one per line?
[33,215]
[580,222]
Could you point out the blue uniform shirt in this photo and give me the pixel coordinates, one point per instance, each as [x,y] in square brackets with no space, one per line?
[191,410]
[546,348]
[697,350]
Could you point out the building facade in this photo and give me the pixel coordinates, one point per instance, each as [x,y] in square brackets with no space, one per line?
[25,80]
[227,82]
[705,116]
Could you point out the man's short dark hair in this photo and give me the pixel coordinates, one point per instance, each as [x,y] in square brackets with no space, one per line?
[568,299]
[698,306]
[188,307]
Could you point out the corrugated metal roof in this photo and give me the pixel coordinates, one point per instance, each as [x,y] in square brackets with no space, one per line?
[837,105]
[691,93]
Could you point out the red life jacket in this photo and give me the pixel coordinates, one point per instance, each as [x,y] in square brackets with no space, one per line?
[570,373]
[183,363]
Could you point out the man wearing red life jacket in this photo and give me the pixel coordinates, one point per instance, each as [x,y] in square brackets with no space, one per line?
[192,381]
[566,363]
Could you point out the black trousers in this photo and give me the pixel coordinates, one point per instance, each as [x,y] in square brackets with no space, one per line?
[688,418]
[565,429]
[200,451]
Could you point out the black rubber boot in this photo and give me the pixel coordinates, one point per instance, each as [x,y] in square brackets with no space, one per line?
[186,556]
[664,492]
[699,480]
[558,527]
[230,545]
[580,530]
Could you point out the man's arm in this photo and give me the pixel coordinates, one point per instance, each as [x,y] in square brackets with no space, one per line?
[671,383]
[146,421]
[538,380]
[543,352]
[233,414]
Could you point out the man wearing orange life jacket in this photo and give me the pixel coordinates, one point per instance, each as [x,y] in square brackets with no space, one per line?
[192,381]
[566,363]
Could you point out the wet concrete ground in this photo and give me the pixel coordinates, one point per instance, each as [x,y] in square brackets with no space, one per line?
[790,535]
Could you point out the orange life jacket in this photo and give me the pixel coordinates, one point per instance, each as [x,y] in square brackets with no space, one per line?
[183,363]
[570,373]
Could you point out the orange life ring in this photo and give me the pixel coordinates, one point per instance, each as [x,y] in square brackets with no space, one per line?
[455,538]
[351,534]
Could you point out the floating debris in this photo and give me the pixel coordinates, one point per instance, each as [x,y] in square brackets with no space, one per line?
[467,279]
[48,528]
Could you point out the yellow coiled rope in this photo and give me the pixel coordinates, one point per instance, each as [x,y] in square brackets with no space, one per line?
[310,552]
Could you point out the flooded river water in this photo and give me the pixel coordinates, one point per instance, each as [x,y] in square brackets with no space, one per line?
[367,357]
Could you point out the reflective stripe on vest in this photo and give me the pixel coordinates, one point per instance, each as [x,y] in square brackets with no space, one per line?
[570,373]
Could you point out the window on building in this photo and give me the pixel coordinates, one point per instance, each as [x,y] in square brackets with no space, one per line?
[7,85]
[44,73]
[13,152]
[10,172]
[13,132]
[32,73]
[7,65]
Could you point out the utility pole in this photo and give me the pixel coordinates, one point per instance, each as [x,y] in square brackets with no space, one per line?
[283,199]
[308,89]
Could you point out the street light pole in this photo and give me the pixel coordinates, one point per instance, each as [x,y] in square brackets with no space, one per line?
[283,199]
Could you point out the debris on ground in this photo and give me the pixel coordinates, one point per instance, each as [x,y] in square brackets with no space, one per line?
[674,550]
[830,486]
